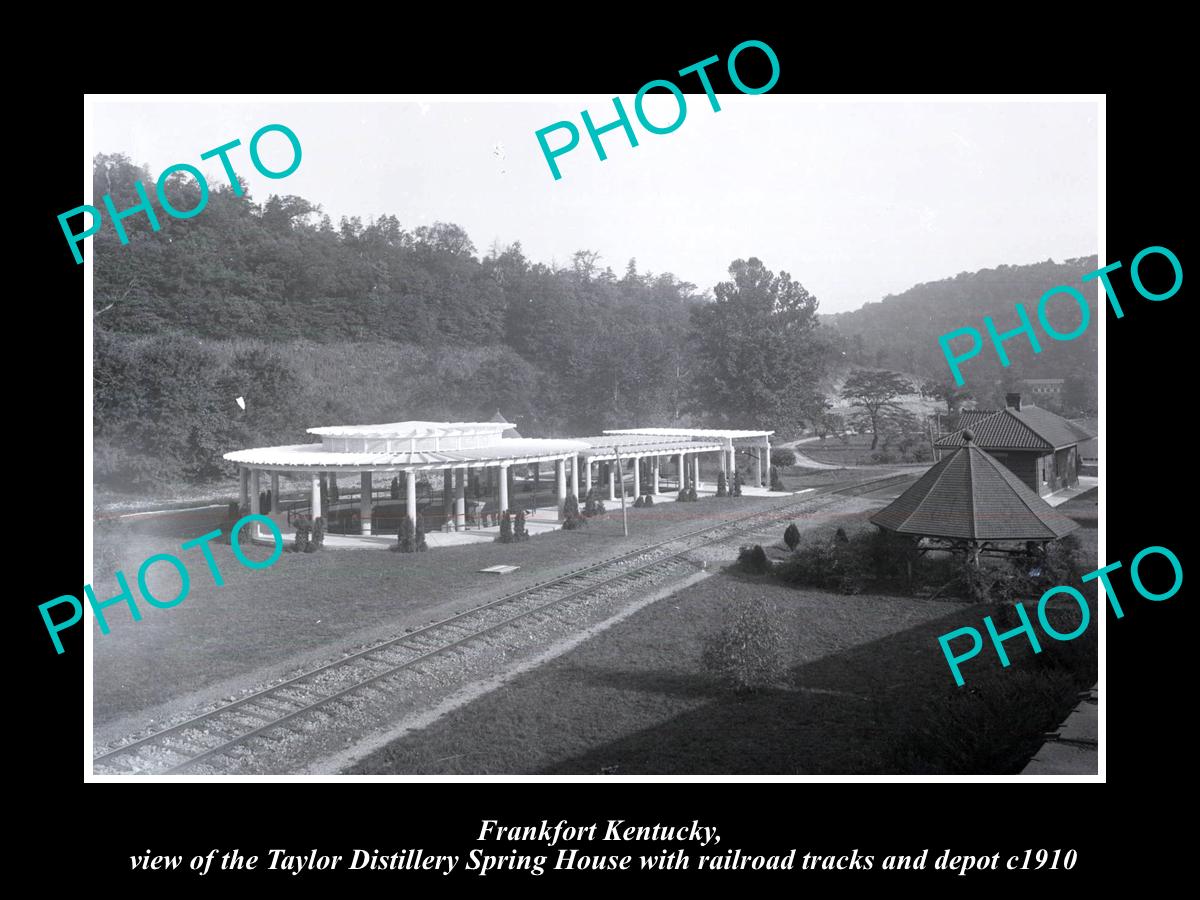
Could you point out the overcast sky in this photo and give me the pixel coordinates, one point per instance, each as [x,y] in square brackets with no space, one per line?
[856,200]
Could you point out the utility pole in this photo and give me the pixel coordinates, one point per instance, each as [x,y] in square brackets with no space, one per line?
[621,475]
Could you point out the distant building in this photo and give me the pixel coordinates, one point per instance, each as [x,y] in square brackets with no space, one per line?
[1044,391]
[1038,446]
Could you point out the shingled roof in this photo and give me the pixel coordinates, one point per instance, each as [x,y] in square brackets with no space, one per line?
[508,432]
[1029,428]
[969,495]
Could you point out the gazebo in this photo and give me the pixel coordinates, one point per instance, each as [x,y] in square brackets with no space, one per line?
[971,501]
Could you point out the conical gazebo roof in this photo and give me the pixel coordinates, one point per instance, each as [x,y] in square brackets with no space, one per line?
[969,495]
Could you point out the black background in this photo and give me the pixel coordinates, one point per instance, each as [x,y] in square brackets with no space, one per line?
[1148,459]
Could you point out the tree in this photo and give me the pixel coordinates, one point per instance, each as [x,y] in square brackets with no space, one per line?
[954,397]
[756,357]
[875,392]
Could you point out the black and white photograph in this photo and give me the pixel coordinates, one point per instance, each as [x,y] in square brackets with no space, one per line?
[532,436]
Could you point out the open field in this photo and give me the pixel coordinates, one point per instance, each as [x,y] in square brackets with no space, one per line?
[855,450]
[868,691]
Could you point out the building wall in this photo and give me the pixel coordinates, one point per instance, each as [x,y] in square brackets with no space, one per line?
[1043,473]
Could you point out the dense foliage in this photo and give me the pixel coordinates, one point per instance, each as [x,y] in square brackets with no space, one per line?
[900,332]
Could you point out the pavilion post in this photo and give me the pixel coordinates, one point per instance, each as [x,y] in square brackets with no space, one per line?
[766,452]
[682,471]
[575,475]
[758,467]
[696,466]
[654,460]
[255,492]
[244,474]
[447,495]
[460,499]
[560,478]
[274,493]
[587,476]
[364,503]
[612,480]
[637,478]
[316,495]
[410,483]
[503,489]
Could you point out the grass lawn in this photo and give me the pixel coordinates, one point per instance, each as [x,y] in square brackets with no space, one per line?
[868,690]
[306,607]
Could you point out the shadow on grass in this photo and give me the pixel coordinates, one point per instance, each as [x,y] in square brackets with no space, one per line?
[887,706]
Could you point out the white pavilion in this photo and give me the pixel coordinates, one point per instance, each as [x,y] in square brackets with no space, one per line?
[478,453]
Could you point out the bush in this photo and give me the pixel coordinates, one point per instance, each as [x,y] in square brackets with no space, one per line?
[410,538]
[746,654]
[302,540]
[876,559]
[737,484]
[593,506]
[776,481]
[571,517]
[638,504]
[506,529]
[519,532]
[318,534]
[753,560]
[782,456]
[721,491]
[791,536]
[649,500]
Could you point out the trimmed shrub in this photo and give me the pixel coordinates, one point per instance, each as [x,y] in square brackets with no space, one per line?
[506,529]
[746,653]
[519,531]
[736,491]
[409,539]
[318,534]
[303,537]
[395,488]
[776,481]
[791,536]
[638,504]
[753,560]
[593,506]
[571,516]
[721,490]
[649,500]
[782,456]
[334,493]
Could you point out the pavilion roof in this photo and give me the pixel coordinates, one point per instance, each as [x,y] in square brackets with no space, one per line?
[721,433]
[313,456]
[601,445]
[969,495]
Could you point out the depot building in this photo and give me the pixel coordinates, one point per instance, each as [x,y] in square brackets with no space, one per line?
[455,477]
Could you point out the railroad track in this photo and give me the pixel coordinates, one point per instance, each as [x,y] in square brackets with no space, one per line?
[218,732]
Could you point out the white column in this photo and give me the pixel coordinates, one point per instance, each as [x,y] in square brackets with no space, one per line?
[682,472]
[244,475]
[255,491]
[410,481]
[758,467]
[654,469]
[637,477]
[364,503]
[274,493]
[560,476]
[460,499]
[503,489]
[696,466]
[767,455]
[612,480]
[587,476]
[575,475]
[316,494]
